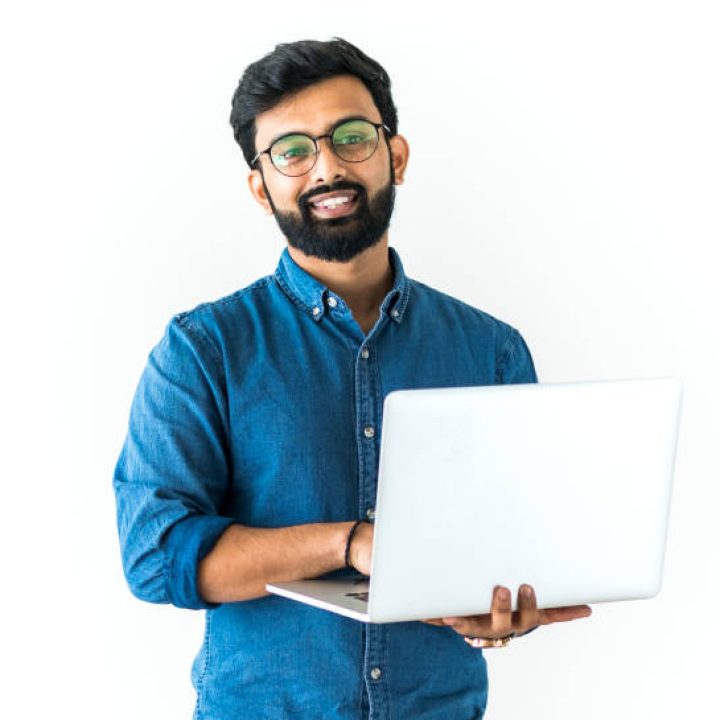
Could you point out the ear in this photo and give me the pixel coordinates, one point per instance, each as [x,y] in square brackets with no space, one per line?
[399,154]
[257,189]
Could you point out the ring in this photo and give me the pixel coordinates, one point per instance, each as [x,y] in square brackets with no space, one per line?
[481,642]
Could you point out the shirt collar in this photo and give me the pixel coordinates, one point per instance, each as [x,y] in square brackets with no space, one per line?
[311,295]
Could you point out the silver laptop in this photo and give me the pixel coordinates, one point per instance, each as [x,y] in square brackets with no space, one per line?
[565,486]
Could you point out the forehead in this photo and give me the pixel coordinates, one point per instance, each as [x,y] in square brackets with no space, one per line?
[316,108]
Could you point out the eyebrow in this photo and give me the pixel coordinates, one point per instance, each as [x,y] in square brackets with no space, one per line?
[342,120]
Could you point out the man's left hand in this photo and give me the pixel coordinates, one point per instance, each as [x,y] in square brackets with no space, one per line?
[502,621]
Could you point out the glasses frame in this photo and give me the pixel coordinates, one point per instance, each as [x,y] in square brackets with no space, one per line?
[315,139]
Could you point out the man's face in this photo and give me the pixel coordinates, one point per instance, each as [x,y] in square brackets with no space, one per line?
[334,232]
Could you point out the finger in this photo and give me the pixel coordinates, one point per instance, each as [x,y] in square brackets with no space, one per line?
[501,614]
[528,615]
[471,625]
[564,614]
[434,621]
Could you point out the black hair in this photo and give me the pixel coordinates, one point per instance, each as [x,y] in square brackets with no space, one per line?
[291,67]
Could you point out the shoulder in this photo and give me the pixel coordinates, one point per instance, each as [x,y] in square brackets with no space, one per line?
[466,324]
[210,325]
[226,305]
[450,308]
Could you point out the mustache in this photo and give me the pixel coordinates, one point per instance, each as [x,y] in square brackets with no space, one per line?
[305,199]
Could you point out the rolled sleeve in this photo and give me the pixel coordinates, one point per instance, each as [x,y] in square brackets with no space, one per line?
[173,471]
[516,364]
[186,544]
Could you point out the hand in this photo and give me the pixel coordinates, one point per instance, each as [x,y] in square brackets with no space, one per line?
[361,548]
[501,621]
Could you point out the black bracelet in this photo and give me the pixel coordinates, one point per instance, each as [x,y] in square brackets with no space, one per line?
[349,540]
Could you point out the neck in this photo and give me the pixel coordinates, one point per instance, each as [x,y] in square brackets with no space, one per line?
[362,282]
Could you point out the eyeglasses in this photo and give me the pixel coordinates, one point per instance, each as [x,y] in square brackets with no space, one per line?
[296,154]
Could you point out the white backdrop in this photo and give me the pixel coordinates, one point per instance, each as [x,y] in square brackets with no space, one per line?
[588,219]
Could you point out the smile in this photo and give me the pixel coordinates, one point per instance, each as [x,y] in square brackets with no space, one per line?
[335,205]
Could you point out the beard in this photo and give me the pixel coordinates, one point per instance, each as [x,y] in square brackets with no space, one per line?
[338,239]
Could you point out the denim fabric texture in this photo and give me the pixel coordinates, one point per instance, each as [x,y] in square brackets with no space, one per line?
[252,409]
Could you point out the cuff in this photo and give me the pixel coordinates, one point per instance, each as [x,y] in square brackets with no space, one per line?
[186,544]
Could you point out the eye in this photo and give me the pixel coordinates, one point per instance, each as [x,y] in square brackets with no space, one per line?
[295,152]
[292,149]
[354,132]
[351,139]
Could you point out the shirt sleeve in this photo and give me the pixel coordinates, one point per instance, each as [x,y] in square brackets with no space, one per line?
[516,364]
[173,470]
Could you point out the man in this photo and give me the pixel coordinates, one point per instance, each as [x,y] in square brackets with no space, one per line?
[252,452]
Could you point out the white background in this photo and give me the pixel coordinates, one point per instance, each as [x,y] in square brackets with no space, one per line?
[563,177]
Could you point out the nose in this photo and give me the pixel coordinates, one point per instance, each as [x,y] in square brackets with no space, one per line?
[328,166]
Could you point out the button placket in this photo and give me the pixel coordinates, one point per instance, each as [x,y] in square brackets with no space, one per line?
[369,407]
[376,670]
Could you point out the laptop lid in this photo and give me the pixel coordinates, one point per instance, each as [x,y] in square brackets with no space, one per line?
[565,486]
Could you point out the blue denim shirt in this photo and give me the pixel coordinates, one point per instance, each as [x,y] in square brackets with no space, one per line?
[252,409]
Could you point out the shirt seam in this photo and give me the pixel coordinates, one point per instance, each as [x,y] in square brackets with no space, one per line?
[507,352]
[259,284]
[483,314]
[200,336]
[206,660]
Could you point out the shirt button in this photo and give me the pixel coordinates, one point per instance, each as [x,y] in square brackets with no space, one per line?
[375,673]
[364,353]
[332,302]
[395,313]
[370,513]
[369,432]
[316,311]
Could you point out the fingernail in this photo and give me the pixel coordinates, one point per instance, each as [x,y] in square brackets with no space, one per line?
[504,594]
[527,591]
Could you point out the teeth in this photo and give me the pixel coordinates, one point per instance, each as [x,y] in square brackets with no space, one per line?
[332,202]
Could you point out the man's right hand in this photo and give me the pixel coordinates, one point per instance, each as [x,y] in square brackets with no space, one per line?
[361,548]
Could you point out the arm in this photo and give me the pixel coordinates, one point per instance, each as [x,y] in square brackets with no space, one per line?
[245,559]
[170,481]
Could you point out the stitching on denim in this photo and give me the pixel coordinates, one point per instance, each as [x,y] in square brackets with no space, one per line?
[237,295]
[462,304]
[507,352]
[378,399]
[167,573]
[291,296]
[199,335]
[257,285]
[386,669]
[405,296]
[206,656]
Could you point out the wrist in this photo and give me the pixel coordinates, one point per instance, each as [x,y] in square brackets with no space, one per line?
[527,632]
[349,559]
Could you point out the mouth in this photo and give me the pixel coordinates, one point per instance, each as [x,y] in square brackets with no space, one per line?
[334,205]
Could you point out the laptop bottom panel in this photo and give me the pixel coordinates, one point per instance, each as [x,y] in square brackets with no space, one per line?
[342,596]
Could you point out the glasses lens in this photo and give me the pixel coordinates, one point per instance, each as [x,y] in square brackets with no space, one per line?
[355,140]
[293,154]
